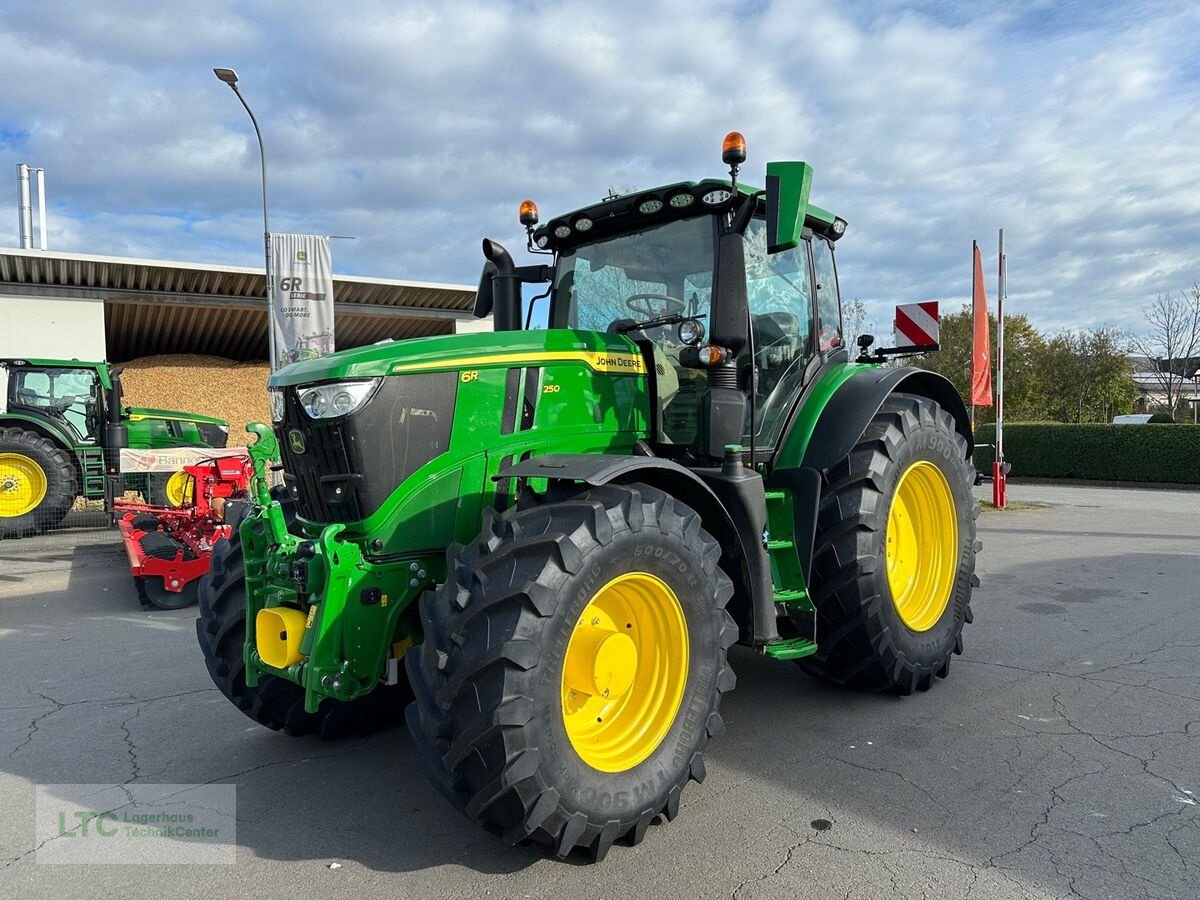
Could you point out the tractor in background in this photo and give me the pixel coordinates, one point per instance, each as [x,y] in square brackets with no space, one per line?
[62,427]
[552,537]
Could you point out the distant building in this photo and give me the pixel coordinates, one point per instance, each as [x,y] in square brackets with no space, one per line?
[1150,377]
[76,305]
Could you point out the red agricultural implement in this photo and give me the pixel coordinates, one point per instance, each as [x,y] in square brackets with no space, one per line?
[169,546]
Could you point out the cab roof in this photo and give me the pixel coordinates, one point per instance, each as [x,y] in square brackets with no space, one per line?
[629,212]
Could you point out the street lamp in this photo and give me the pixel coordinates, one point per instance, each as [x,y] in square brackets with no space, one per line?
[230,78]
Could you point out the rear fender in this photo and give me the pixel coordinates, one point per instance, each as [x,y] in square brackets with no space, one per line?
[840,426]
[43,426]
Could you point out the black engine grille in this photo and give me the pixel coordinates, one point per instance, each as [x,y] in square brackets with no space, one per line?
[350,465]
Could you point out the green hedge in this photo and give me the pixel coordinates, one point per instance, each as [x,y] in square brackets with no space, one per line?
[1166,453]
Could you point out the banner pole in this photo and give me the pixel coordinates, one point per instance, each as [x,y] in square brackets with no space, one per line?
[974,324]
[999,483]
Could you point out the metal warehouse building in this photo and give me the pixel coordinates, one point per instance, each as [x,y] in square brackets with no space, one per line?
[72,305]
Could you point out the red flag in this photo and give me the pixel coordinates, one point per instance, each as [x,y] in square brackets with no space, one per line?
[981,354]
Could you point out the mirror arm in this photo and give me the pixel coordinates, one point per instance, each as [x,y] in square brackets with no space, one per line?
[741,218]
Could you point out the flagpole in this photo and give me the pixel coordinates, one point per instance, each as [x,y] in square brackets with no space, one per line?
[974,325]
[999,482]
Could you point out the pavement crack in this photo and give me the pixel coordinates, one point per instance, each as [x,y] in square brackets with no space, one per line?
[130,746]
[791,851]
[885,771]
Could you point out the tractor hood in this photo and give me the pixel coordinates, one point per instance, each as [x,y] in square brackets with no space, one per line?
[601,352]
[137,414]
[156,429]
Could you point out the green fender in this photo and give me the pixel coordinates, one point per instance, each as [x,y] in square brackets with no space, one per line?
[43,426]
[831,420]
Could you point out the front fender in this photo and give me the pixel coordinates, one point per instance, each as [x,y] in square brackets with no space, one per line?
[738,530]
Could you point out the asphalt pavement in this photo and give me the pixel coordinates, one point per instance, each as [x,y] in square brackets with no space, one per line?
[1059,759]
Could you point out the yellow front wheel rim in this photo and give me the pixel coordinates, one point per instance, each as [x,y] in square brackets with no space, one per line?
[922,545]
[624,672]
[179,488]
[22,485]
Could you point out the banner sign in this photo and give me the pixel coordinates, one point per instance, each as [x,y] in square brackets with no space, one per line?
[301,297]
[173,459]
[916,325]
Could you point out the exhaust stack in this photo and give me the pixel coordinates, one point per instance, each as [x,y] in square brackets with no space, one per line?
[25,206]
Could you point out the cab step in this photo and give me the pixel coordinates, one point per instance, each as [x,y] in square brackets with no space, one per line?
[797,648]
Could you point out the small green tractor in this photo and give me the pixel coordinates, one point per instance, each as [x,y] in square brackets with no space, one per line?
[550,538]
[62,427]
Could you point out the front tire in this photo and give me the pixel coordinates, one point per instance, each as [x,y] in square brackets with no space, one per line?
[609,604]
[894,556]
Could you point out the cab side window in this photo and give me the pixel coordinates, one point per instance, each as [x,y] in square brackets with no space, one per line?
[780,295]
[829,306]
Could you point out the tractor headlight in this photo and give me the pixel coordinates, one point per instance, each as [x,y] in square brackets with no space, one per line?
[716,197]
[328,401]
[275,395]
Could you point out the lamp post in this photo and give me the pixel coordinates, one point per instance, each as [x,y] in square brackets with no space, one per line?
[230,78]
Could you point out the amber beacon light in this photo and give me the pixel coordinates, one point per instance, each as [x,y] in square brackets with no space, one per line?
[733,149]
[528,213]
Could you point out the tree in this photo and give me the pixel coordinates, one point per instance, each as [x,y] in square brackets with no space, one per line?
[1171,341]
[1085,376]
[854,323]
[1023,346]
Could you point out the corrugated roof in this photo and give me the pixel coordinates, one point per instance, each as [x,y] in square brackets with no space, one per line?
[164,306]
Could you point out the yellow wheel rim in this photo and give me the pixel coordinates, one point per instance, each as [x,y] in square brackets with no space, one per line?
[922,545]
[22,485]
[624,672]
[179,488]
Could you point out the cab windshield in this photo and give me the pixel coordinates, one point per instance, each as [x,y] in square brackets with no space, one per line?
[635,277]
[620,282]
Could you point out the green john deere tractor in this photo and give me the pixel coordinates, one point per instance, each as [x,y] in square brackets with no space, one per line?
[62,427]
[552,537]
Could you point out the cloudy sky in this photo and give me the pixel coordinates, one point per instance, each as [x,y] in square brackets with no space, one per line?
[419,127]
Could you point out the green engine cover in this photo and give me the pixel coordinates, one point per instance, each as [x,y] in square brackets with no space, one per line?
[383,491]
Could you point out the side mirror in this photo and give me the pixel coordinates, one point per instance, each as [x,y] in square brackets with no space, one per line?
[788,187]
[483,294]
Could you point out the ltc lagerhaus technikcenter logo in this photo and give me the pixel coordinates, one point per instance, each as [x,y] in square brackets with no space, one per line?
[91,824]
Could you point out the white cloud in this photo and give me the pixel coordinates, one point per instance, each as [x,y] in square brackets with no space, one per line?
[419,127]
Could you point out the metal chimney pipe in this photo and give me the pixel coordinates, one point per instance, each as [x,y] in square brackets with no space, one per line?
[41,192]
[24,213]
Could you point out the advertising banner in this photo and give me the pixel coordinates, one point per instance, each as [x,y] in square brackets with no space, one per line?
[172,459]
[301,297]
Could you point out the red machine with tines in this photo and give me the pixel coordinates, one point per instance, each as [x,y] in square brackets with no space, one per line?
[169,546]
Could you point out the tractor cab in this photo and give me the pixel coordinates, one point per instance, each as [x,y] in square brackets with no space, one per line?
[72,395]
[734,315]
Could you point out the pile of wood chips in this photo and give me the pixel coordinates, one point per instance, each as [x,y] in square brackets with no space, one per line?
[209,385]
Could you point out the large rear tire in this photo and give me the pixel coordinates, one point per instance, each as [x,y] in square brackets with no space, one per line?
[37,483]
[894,557]
[275,703]
[607,605]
